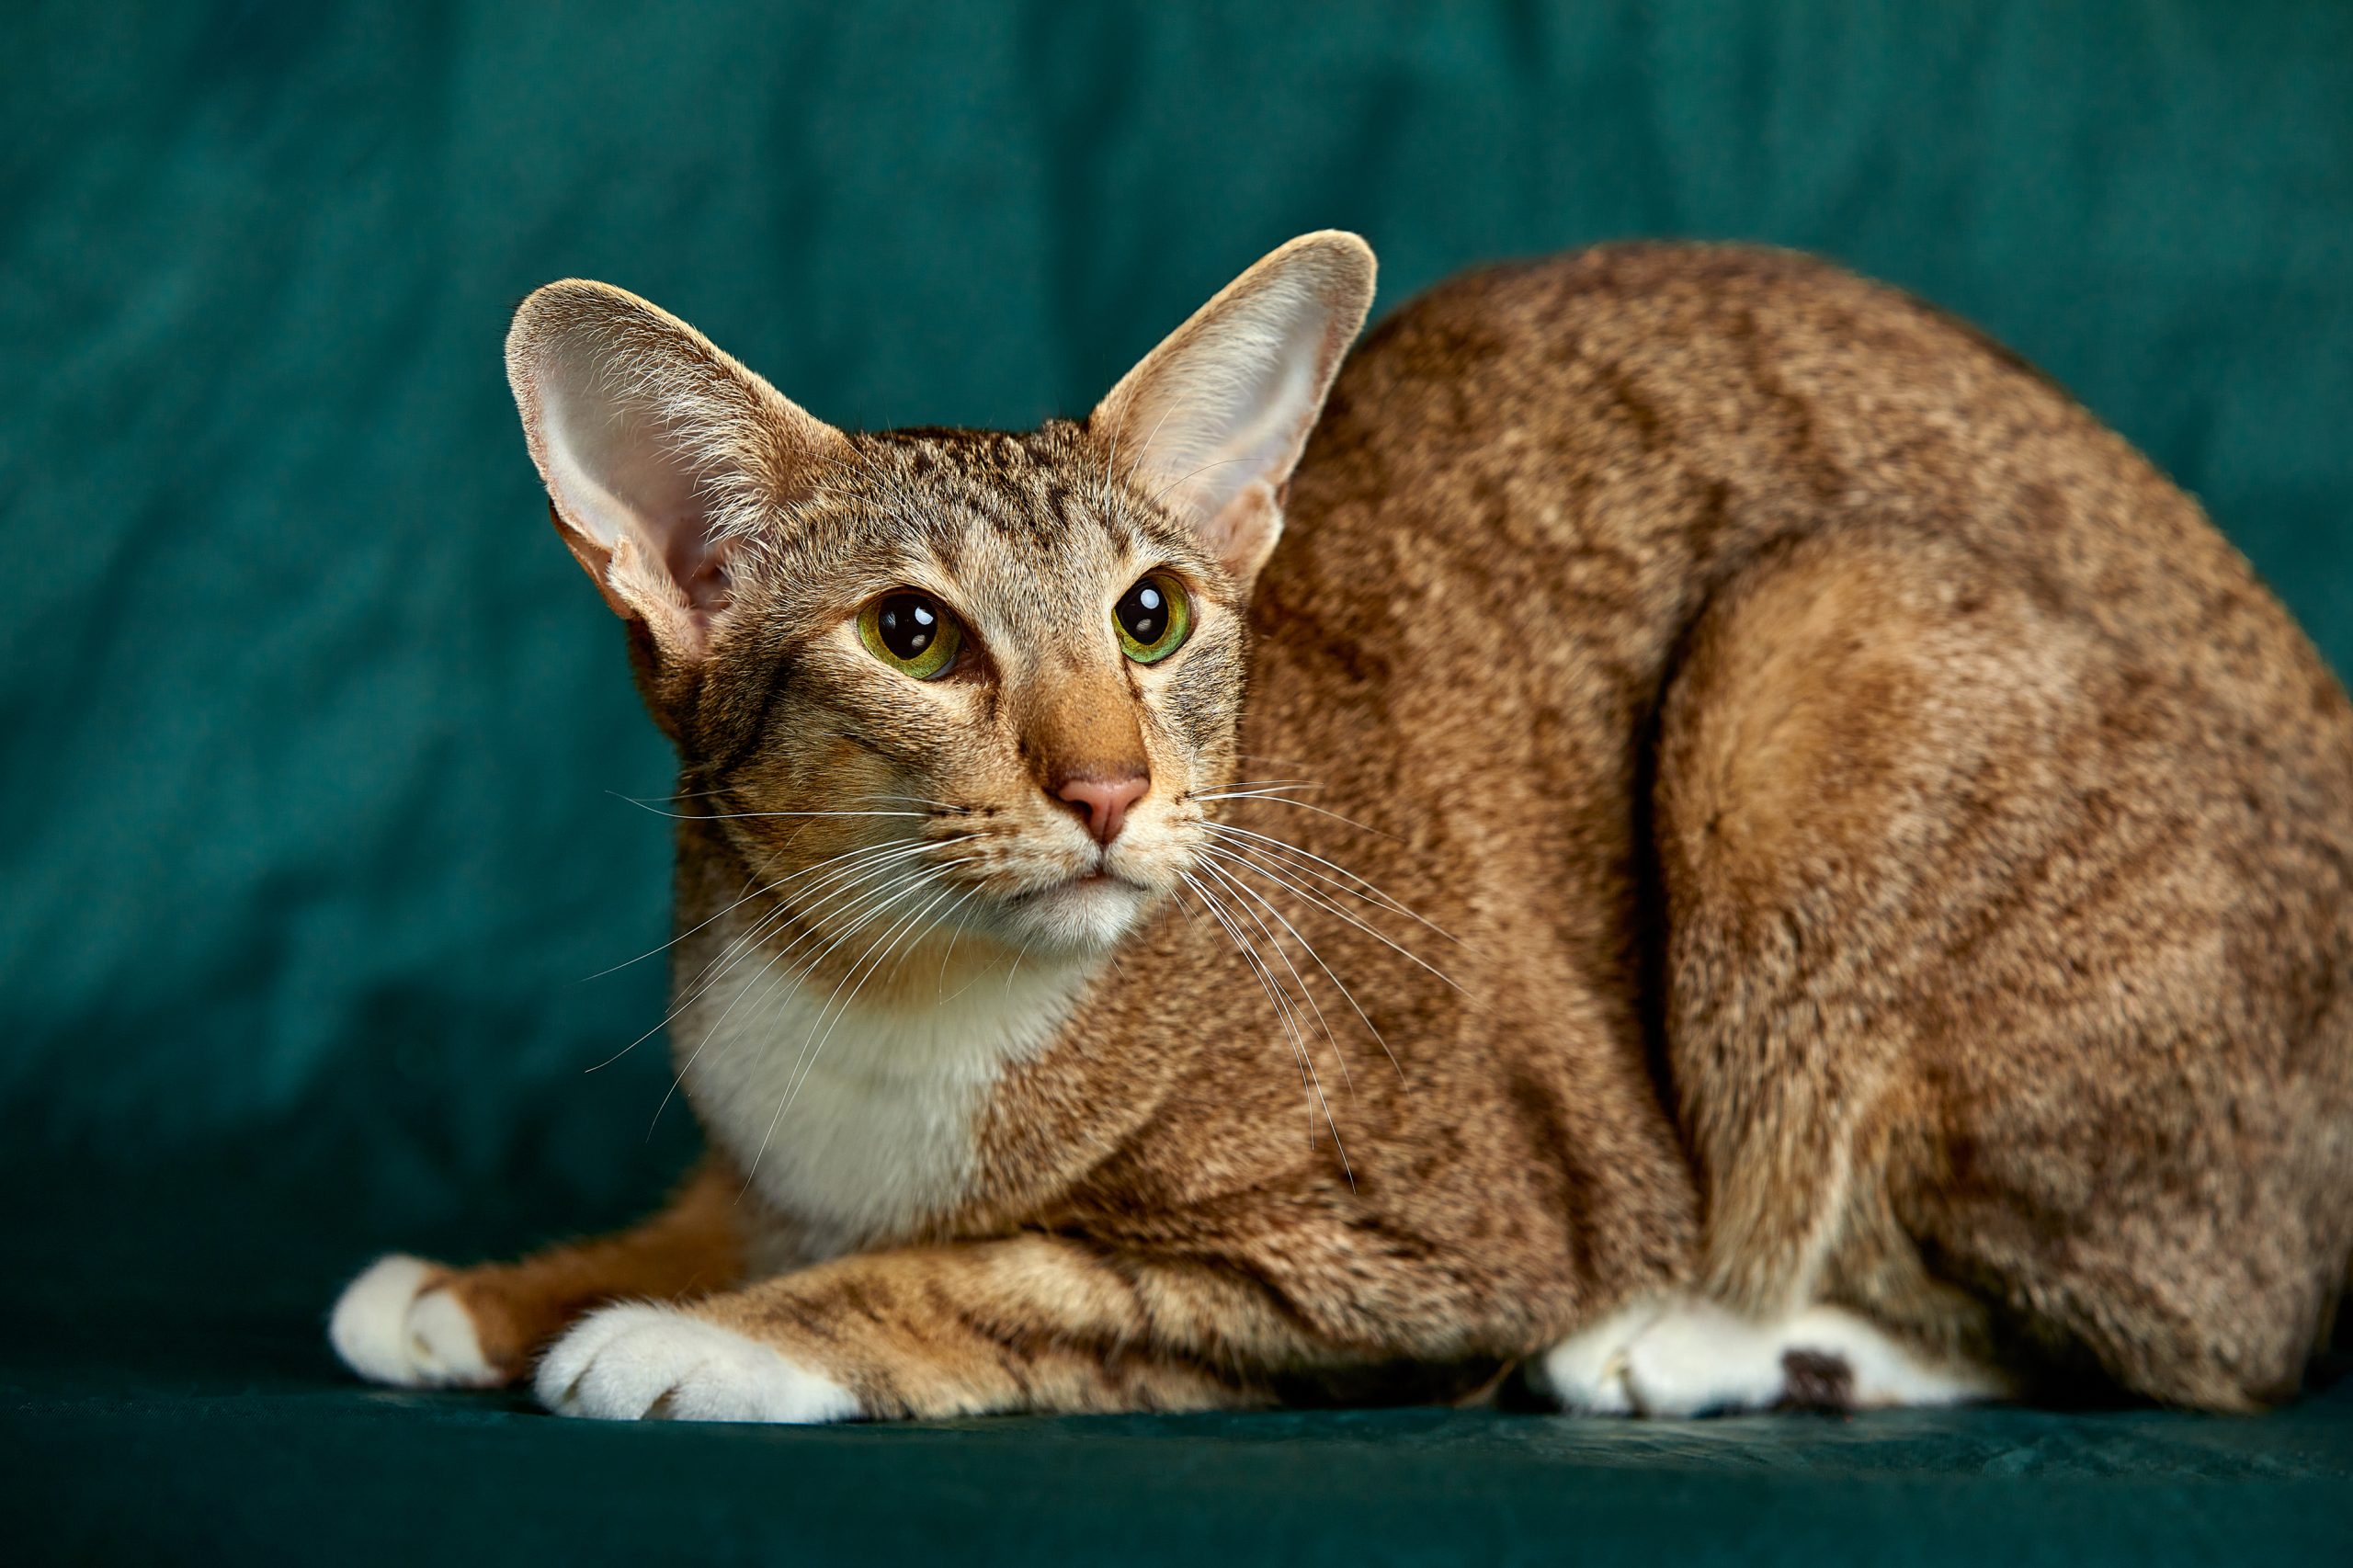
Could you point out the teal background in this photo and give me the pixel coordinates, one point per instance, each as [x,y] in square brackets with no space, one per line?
[312,737]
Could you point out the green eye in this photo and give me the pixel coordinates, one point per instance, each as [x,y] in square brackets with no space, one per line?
[1153,617]
[911,632]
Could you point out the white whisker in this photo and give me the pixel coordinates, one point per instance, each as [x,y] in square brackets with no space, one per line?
[739,904]
[1197,473]
[811,913]
[1271,874]
[735,816]
[856,982]
[1135,465]
[889,895]
[1349,883]
[1340,984]
[950,951]
[1284,799]
[1348,1079]
[1286,1015]
[875,857]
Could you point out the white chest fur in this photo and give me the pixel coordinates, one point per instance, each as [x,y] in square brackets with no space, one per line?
[858,1119]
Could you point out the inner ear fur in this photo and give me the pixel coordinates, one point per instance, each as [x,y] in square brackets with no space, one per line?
[1213,420]
[661,454]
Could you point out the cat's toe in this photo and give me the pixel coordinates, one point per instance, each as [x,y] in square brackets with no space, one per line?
[1585,1373]
[393,1325]
[634,1363]
[557,1382]
[1700,1359]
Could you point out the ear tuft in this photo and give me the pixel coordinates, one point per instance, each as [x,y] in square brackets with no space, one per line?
[1213,420]
[660,452]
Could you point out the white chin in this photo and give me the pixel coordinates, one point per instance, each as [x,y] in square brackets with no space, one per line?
[1086,916]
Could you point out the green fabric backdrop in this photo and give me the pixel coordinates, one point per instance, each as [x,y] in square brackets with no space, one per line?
[313,736]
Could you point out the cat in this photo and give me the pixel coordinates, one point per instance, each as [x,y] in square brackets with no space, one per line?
[1678,833]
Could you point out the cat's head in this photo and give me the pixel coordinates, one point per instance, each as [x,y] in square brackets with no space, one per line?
[985,675]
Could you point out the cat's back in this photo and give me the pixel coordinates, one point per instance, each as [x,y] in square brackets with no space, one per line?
[1627,427]
[1763,383]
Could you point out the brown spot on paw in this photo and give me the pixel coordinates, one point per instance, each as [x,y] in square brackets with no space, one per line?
[1816,1381]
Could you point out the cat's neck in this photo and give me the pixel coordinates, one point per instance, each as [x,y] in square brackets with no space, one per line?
[852,1105]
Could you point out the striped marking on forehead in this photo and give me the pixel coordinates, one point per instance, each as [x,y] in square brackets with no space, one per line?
[1039,492]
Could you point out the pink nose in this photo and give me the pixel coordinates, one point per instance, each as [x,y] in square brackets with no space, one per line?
[1104,802]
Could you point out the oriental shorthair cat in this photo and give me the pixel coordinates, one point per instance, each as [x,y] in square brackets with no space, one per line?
[1676,832]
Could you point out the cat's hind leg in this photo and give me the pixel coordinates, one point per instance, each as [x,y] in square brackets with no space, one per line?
[1690,1356]
[2004,969]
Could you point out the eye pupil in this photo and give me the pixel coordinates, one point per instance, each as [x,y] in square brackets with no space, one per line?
[907,623]
[1143,613]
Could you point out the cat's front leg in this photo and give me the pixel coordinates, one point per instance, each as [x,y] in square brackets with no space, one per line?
[1031,1323]
[416,1323]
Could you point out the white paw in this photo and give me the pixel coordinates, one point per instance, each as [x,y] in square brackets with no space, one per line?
[1700,1359]
[1688,1357]
[389,1329]
[1587,1372]
[634,1363]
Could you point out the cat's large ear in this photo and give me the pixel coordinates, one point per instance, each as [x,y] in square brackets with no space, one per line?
[1213,420]
[659,451]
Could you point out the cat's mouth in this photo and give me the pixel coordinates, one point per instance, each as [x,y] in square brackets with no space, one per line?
[1098,877]
[1085,910]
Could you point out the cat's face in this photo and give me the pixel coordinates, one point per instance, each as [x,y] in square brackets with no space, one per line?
[995,644]
[941,681]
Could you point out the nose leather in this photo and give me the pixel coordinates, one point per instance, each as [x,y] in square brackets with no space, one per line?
[1104,802]
[1086,749]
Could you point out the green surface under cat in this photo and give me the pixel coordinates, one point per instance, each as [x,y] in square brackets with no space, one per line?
[226,1437]
[166,1393]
